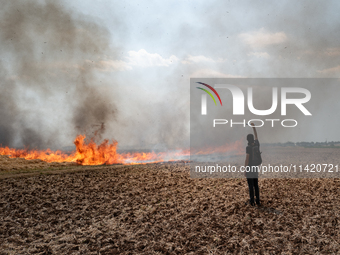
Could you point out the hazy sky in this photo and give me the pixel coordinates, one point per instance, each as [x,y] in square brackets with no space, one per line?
[164,43]
[230,38]
[141,57]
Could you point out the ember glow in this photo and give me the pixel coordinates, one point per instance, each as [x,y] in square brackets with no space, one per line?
[89,153]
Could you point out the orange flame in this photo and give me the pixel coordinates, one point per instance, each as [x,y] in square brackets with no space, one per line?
[89,153]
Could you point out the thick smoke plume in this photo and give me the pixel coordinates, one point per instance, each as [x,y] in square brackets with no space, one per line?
[54,85]
[49,88]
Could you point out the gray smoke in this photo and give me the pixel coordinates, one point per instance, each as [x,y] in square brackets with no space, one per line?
[52,87]
[50,91]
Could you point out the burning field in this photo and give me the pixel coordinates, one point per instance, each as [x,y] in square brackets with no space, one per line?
[89,153]
[113,70]
[66,208]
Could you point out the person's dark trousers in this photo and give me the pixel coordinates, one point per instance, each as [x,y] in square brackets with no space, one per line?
[253,184]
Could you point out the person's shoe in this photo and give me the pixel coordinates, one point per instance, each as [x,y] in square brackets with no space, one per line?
[250,203]
[258,203]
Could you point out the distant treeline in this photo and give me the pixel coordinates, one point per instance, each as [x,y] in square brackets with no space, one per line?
[331,144]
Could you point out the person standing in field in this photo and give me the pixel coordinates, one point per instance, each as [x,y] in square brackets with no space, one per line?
[253,159]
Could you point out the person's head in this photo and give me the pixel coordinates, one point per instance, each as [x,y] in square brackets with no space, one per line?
[250,138]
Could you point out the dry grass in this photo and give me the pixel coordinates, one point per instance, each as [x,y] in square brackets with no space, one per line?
[12,166]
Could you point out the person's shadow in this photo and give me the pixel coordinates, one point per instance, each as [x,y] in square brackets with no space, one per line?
[268,209]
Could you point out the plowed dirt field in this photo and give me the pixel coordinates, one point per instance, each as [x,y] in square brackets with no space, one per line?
[159,209]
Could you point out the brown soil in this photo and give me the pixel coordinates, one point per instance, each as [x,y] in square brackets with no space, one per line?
[159,209]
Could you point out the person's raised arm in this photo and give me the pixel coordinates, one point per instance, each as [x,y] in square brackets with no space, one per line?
[255,133]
